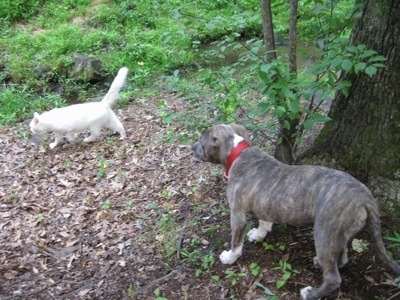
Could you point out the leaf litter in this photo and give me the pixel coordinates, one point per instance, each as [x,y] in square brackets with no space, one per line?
[135,219]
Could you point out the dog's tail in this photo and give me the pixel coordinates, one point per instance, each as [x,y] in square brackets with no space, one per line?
[374,226]
[112,95]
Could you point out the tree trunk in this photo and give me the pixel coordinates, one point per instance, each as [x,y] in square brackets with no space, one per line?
[284,151]
[293,37]
[268,29]
[364,134]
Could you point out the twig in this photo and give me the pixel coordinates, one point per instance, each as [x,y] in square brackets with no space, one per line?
[394,296]
[158,281]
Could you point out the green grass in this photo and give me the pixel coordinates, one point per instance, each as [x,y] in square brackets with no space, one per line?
[18,102]
[152,37]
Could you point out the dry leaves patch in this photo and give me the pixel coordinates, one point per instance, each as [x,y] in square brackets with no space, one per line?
[72,218]
[117,220]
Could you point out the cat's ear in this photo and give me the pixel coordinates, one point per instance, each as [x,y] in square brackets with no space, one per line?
[36,118]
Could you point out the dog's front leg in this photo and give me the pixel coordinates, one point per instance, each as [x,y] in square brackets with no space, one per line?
[258,234]
[238,225]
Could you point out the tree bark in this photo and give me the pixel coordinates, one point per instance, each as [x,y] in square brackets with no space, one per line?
[364,136]
[293,37]
[268,29]
[284,151]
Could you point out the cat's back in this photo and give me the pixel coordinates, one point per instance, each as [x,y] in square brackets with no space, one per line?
[76,111]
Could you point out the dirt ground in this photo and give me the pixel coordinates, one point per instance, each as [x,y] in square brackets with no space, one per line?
[141,219]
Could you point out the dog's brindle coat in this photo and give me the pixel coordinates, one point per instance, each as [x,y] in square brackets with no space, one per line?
[273,192]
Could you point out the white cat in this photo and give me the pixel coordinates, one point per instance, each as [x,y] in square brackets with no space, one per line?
[92,116]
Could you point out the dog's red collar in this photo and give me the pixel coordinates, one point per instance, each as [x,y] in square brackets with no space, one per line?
[234,154]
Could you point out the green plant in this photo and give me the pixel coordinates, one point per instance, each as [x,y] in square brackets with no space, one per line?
[19,103]
[395,239]
[167,193]
[234,276]
[157,293]
[191,256]
[67,164]
[40,218]
[270,295]
[129,205]
[106,204]
[255,269]
[216,279]
[208,261]
[287,271]
[201,262]
[102,168]
[131,292]
[165,231]
[277,247]
[23,133]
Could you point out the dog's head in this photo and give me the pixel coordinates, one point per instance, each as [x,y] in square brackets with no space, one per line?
[216,143]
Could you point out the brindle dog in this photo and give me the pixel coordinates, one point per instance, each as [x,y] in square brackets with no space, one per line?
[273,192]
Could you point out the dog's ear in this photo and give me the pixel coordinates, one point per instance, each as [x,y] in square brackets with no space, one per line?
[240,130]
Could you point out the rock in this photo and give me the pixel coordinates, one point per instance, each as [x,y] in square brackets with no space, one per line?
[86,69]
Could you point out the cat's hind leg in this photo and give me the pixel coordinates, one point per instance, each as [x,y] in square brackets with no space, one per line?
[57,140]
[116,125]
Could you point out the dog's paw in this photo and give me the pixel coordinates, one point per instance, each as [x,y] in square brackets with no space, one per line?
[305,293]
[254,235]
[228,257]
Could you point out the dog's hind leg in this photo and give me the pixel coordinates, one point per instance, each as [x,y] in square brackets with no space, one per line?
[330,247]
[259,233]
[331,276]
[238,225]
[342,260]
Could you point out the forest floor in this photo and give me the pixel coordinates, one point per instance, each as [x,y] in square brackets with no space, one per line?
[142,219]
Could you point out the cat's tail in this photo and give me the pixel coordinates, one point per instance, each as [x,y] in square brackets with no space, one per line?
[112,95]
[373,222]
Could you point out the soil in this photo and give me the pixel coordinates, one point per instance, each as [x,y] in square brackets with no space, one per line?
[141,219]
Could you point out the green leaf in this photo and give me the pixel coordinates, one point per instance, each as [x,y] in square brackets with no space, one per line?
[308,124]
[336,61]
[279,111]
[263,75]
[347,65]
[168,118]
[267,291]
[286,125]
[352,49]
[286,276]
[299,141]
[293,105]
[367,53]
[359,67]
[265,107]
[320,118]
[378,65]
[376,58]
[370,71]
[280,283]
[361,47]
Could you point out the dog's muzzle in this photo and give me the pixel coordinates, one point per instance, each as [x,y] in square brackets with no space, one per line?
[198,151]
